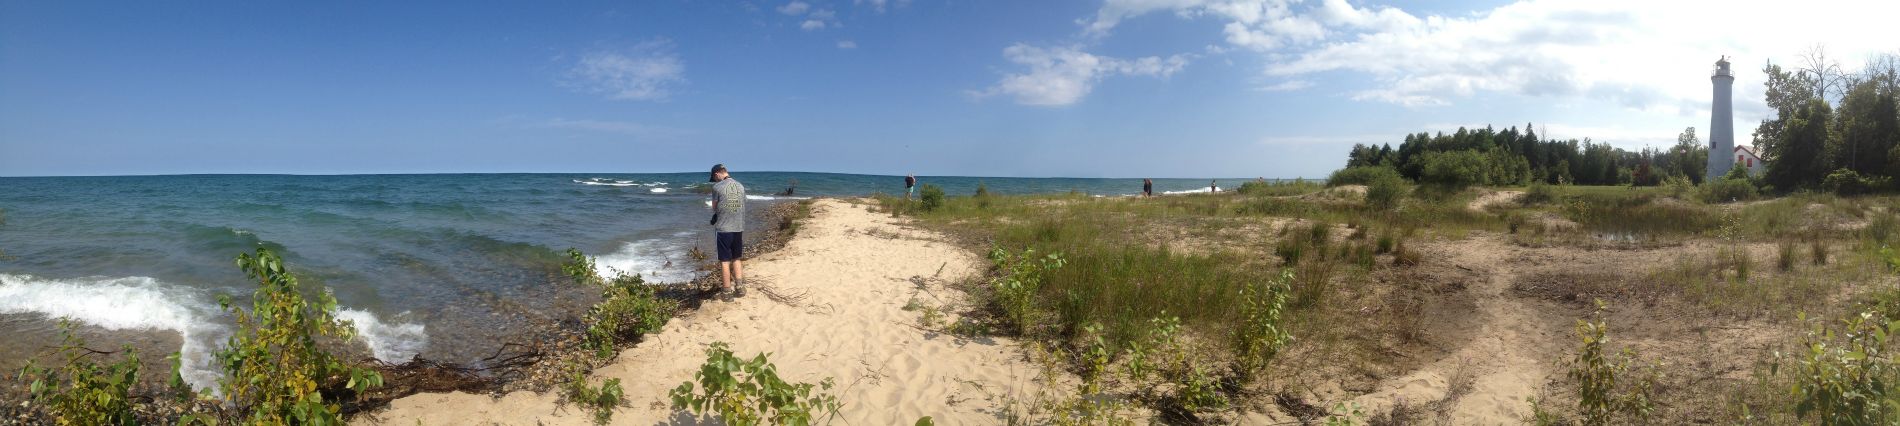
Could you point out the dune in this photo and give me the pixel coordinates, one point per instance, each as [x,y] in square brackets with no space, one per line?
[827,305]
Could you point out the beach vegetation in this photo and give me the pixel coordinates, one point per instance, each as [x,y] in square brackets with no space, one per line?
[1277,188]
[1847,375]
[629,307]
[600,400]
[1611,388]
[82,391]
[1385,191]
[930,197]
[1361,175]
[750,392]
[275,369]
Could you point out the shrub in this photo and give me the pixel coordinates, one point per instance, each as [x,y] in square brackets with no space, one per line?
[1261,333]
[1539,193]
[599,400]
[273,368]
[1386,243]
[1385,192]
[1020,280]
[1728,190]
[1847,182]
[1601,399]
[81,391]
[931,198]
[1361,175]
[982,196]
[628,308]
[1847,377]
[1453,170]
[750,392]
[1818,248]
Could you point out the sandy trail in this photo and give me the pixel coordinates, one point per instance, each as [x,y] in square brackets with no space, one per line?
[1507,360]
[845,278]
[1493,197]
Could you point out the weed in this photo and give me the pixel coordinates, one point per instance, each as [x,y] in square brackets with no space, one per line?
[273,367]
[81,391]
[1847,376]
[750,392]
[931,198]
[1538,193]
[1785,255]
[1022,277]
[602,401]
[1601,399]
[628,308]
[1818,249]
[1261,333]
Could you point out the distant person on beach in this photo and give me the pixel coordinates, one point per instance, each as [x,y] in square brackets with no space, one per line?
[1147,187]
[910,182]
[1212,186]
[728,223]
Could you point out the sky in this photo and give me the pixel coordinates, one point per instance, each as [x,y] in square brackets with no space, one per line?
[1109,88]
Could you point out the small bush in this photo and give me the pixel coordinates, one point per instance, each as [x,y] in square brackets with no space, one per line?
[750,392]
[1605,392]
[1847,376]
[1451,171]
[1261,334]
[1385,193]
[602,401]
[628,308]
[81,391]
[1539,193]
[1361,175]
[1021,279]
[1728,190]
[1402,256]
[1847,182]
[273,367]
[931,199]
[1386,243]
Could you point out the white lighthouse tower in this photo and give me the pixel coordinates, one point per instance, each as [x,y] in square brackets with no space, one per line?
[1721,122]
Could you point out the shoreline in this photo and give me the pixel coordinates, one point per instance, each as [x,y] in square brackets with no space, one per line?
[828,304]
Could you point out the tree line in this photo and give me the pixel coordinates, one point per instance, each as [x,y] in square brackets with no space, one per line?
[1831,130]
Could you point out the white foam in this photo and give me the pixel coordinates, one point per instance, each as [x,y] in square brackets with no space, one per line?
[650,259]
[144,303]
[1190,191]
[604,183]
[130,303]
[657,190]
[770,198]
[391,343]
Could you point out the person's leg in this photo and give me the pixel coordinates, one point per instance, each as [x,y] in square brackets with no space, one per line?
[725,276]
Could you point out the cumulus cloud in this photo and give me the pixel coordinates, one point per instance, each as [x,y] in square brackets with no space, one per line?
[795,8]
[880,5]
[1626,52]
[1286,86]
[648,71]
[1062,75]
[847,44]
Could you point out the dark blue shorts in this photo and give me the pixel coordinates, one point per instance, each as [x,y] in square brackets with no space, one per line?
[731,245]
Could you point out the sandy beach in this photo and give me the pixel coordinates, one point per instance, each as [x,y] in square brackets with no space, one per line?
[841,285]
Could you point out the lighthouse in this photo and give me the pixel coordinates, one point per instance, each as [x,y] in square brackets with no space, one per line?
[1721,122]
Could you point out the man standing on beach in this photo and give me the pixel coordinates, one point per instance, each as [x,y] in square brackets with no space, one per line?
[1147,187]
[729,230]
[910,182]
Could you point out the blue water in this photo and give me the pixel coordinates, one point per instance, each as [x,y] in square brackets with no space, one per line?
[438,265]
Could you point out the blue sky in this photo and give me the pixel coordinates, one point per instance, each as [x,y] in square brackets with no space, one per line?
[1110,88]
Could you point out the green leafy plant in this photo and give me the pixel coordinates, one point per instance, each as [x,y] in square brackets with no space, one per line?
[1385,192]
[274,369]
[930,198]
[1021,279]
[1261,333]
[1847,376]
[81,391]
[750,392]
[601,401]
[628,308]
[1605,389]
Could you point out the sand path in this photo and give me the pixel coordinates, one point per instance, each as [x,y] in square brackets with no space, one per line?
[845,278]
[1493,197]
[1485,380]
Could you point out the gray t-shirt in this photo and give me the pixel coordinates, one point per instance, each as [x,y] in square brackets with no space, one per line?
[730,196]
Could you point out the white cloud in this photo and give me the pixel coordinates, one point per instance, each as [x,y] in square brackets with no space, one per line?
[880,5]
[619,127]
[1286,86]
[812,24]
[820,19]
[1642,55]
[1059,76]
[847,44]
[794,8]
[648,71]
